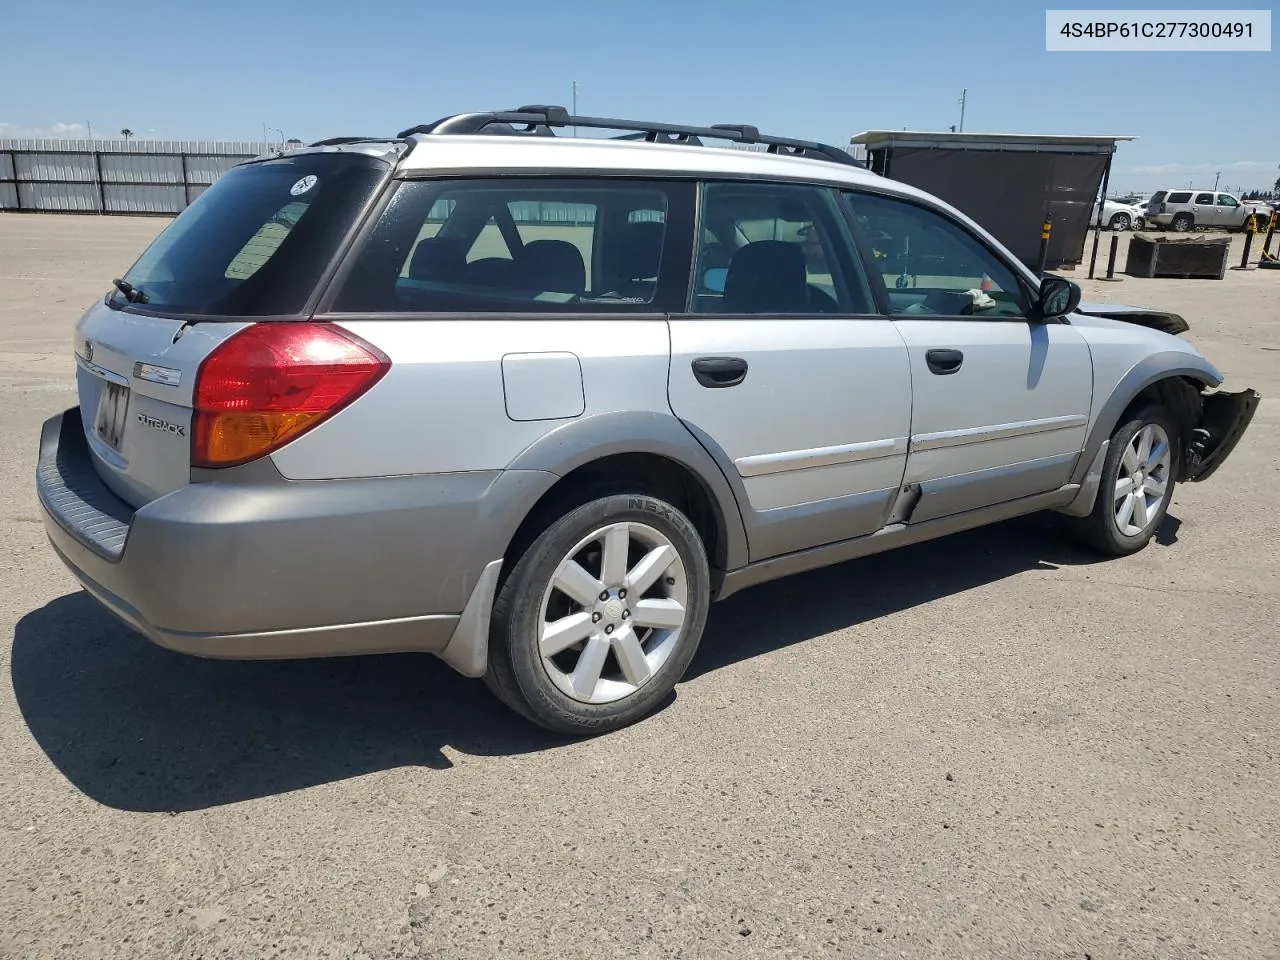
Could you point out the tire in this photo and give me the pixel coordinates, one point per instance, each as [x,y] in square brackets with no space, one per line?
[1102,528]
[1120,221]
[610,673]
[1182,223]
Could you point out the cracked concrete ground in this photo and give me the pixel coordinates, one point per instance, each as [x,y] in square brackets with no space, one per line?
[995,745]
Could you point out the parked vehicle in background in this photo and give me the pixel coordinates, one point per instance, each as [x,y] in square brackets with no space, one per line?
[530,402]
[1183,210]
[1261,209]
[1118,216]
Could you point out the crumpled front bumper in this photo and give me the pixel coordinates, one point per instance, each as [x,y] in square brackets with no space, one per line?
[1224,418]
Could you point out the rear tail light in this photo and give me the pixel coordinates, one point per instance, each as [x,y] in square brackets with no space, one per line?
[272,382]
[1162,206]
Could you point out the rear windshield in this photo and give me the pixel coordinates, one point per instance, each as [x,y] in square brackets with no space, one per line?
[256,242]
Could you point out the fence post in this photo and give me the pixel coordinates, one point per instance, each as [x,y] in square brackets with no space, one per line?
[1111,257]
[186,185]
[17,187]
[102,187]
[1045,230]
[1250,227]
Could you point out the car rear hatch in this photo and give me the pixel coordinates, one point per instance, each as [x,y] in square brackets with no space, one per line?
[254,248]
[1156,203]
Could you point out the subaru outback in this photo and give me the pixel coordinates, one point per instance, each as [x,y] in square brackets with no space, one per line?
[531,402]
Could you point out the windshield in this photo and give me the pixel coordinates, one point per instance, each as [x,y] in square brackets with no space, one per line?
[257,241]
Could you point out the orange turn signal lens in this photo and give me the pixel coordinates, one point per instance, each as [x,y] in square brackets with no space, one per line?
[226,438]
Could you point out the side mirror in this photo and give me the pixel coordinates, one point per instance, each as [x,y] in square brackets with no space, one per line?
[1058,297]
[714,279]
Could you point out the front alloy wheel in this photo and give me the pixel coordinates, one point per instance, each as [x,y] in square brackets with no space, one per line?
[1136,486]
[1143,481]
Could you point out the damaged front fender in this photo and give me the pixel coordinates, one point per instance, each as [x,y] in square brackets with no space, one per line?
[1223,420]
[1161,320]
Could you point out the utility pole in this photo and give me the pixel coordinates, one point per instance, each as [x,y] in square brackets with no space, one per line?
[575,105]
[1216,177]
[964,96]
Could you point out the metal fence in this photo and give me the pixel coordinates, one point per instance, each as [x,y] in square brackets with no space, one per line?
[158,177]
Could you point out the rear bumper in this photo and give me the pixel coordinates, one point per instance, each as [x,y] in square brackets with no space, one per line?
[253,566]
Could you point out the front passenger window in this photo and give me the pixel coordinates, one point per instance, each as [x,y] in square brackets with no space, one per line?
[1226,200]
[930,265]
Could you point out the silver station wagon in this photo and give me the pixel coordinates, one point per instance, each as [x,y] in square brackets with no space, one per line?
[530,402]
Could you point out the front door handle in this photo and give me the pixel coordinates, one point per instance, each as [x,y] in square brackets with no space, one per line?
[943,362]
[720,371]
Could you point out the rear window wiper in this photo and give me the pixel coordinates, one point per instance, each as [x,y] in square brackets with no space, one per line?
[131,293]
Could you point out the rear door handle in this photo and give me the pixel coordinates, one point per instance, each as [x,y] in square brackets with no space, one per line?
[720,371]
[943,362]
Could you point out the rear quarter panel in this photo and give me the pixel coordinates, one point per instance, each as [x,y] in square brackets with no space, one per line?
[445,406]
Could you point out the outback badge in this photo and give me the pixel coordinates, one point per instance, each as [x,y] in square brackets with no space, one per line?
[165,426]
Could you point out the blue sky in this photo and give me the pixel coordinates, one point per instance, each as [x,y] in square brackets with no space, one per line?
[807,68]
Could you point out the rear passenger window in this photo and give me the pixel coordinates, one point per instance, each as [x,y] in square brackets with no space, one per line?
[1204,198]
[775,249]
[1183,196]
[514,244]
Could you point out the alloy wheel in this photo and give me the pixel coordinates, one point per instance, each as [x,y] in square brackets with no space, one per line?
[613,612]
[1142,482]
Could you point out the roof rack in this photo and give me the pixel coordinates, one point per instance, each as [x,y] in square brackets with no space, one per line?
[335,141]
[543,120]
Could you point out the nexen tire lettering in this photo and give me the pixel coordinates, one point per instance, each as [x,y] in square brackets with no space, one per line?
[652,506]
[175,428]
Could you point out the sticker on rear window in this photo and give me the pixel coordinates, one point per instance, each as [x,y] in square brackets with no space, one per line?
[303,185]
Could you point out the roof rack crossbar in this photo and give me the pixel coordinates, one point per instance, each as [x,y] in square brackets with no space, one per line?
[540,120]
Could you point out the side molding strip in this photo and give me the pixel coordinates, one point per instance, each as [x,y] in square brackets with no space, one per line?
[764,464]
[999,431]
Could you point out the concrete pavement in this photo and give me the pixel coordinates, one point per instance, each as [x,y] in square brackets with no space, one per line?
[995,745]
